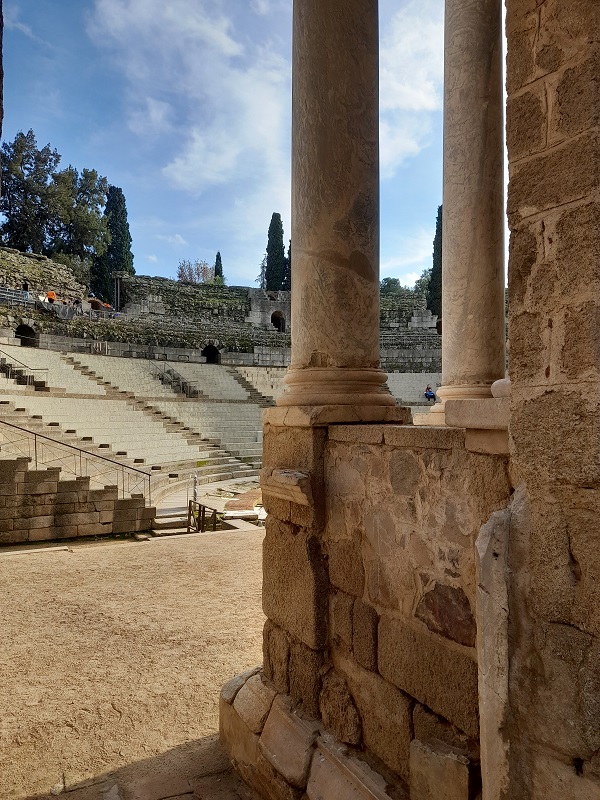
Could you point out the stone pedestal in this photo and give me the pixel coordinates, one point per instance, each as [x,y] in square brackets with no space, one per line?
[473,333]
[335,207]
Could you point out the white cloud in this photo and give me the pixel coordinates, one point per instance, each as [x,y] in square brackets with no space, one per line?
[153,259]
[413,251]
[175,239]
[261,7]
[411,80]
[218,97]
[151,117]
[11,15]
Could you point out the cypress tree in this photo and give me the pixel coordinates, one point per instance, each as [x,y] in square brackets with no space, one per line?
[218,266]
[275,268]
[434,290]
[119,255]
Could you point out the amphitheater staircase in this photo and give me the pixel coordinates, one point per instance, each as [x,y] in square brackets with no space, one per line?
[253,394]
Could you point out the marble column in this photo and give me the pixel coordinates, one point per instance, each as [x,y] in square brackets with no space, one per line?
[335,207]
[473,322]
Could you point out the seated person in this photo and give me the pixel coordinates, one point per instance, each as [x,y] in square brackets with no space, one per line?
[51,296]
[429,393]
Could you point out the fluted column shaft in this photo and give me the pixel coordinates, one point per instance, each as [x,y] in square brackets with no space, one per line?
[335,206]
[473,324]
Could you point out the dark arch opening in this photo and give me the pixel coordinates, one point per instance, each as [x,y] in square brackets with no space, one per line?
[27,335]
[278,321]
[211,354]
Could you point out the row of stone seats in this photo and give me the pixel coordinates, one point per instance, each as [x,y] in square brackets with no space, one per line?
[407,387]
[117,430]
[266,380]
[236,427]
[58,375]
[212,380]
[133,375]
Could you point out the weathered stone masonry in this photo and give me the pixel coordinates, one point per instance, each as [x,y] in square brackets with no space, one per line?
[35,506]
[431,592]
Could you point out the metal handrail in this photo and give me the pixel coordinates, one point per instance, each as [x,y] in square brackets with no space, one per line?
[176,378]
[14,360]
[82,454]
[197,517]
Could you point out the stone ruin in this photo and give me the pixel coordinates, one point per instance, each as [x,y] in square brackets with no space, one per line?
[431,590]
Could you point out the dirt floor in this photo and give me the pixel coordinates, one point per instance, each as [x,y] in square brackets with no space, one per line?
[111,660]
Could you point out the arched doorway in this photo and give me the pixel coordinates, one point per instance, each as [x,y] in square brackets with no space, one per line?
[211,354]
[278,321]
[27,335]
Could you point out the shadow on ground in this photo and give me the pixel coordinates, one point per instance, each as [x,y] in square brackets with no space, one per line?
[196,770]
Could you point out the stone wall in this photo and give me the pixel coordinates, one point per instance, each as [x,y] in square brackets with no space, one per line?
[35,506]
[369,589]
[41,273]
[553,133]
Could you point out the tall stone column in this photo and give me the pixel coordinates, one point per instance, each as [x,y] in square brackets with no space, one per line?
[473,323]
[335,207]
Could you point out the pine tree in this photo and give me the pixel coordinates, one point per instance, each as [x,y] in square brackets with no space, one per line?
[218,266]
[434,290]
[275,268]
[26,195]
[119,255]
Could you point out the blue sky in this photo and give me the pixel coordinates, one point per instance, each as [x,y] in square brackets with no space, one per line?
[185,104]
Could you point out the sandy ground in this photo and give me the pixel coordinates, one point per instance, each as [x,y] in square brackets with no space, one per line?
[111,660]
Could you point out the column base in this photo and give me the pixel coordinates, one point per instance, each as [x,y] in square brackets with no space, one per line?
[321,416]
[336,386]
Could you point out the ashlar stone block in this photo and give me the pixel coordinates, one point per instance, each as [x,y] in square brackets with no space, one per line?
[437,770]
[440,675]
[335,775]
[253,702]
[385,714]
[288,742]
[295,584]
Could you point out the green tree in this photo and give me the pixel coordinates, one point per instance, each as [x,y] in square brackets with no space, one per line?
[262,277]
[275,267]
[26,196]
[118,253]
[390,286]
[434,290]
[422,283]
[286,283]
[219,266]
[77,225]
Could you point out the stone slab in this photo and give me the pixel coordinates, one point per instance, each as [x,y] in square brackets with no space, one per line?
[253,703]
[288,742]
[438,673]
[295,583]
[232,687]
[492,413]
[490,442]
[385,714]
[236,737]
[287,484]
[438,770]
[334,776]
[427,437]
[322,416]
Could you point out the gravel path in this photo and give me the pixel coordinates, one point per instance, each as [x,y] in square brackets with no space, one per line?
[113,654]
